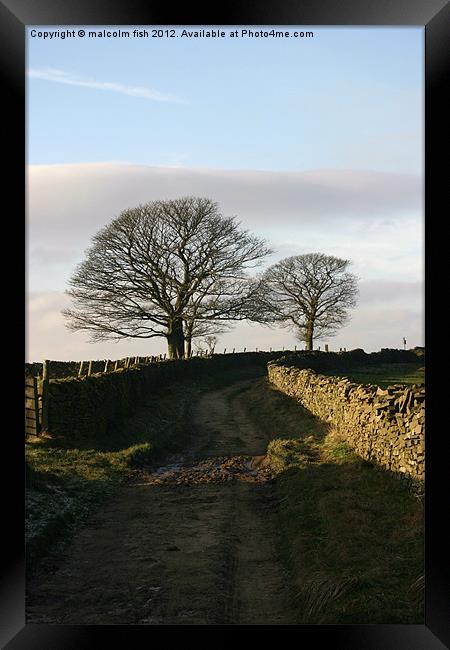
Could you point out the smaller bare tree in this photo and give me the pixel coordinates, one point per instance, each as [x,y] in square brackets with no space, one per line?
[206,345]
[196,332]
[310,294]
[211,342]
[199,347]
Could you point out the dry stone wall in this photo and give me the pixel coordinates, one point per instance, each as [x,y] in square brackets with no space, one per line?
[84,407]
[385,426]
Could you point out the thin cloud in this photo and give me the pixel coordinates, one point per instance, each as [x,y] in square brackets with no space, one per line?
[62,77]
[376,292]
[372,218]
[259,197]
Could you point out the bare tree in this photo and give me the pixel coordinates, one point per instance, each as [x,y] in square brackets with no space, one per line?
[211,342]
[196,329]
[310,294]
[216,304]
[206,344]
[162,268]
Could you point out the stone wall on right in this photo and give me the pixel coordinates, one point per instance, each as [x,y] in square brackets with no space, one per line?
[383,425]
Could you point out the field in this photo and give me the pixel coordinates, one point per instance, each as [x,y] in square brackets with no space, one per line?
[384,374]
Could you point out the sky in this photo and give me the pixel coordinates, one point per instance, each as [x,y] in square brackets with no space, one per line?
[315,144]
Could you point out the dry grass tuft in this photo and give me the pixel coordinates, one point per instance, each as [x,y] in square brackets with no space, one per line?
[319,590]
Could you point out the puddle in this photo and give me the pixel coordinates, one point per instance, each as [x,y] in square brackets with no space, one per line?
[215,469]
[167,469]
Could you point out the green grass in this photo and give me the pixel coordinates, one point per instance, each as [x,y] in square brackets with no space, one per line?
[351,534]
[68,480]
[385,374]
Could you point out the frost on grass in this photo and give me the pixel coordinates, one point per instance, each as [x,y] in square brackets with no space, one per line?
[44,506]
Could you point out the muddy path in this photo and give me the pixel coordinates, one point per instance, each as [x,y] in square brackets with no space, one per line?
[192,542]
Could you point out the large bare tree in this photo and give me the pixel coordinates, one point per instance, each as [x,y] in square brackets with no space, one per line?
[310,294]
[165,269]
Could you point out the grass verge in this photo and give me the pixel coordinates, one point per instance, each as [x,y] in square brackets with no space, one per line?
[351,534]
[66,481]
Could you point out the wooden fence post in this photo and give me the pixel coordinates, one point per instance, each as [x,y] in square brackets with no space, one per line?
[45,378]
[89,372]
[116,365]
[80,372]
[36,405]
[106,365]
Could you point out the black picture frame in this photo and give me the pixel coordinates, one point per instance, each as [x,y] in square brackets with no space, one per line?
[434,16]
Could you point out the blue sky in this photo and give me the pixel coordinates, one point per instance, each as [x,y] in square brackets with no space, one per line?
[315,144]
[346,97]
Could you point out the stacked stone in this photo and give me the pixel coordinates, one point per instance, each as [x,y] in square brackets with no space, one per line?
[386,426]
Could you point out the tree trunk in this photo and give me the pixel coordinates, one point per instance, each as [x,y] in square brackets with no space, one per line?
[309,333]
[175,340]
[172,347]
[188,338]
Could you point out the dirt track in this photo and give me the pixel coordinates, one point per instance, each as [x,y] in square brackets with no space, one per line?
[193,542]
